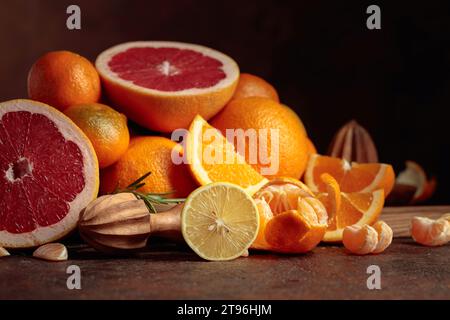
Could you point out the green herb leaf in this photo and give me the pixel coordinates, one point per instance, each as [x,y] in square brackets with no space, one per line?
[150,199]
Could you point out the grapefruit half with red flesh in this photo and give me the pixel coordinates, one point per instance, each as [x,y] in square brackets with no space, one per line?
[48,174]
[164,85]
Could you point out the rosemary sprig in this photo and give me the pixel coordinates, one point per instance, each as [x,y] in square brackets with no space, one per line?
[150,199]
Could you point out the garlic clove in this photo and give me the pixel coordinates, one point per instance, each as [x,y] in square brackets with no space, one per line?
[51,252]
[385,236]
[360,240]
[3,252]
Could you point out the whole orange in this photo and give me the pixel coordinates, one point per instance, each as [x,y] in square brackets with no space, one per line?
[262,113]
[105,127]
[311,147]
[62,79]
[149,154]
[253,86]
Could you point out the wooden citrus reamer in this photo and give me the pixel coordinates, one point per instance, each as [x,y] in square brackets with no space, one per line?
[120,222]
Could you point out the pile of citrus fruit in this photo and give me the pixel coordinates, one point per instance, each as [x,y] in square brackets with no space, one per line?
[72,139]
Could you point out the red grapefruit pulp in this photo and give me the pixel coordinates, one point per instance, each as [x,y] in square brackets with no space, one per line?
[164,85]
[48,174]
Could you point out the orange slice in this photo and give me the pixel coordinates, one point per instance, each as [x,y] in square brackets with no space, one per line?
[346,209]
[351,177]
[292,220]
[213,159]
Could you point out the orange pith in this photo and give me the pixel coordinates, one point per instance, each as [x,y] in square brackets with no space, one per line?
[351,177]
[292,220]
[213,159]
[346,209]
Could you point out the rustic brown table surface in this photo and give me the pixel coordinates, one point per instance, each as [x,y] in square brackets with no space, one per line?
[408,271]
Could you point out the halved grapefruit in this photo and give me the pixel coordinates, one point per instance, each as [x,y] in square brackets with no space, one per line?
[48,174]
[163,85]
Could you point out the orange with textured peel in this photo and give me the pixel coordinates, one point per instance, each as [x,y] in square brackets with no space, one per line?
[106,128]
[253,86]
[62,79]
[273,122]
[149,154]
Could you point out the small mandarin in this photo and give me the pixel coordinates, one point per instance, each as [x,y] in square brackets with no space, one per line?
[62,79]
[106,128]
[253,86]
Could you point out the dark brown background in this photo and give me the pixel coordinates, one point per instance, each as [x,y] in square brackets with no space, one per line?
[321,57]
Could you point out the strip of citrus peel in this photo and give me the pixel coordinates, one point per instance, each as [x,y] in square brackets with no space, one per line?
[292,220]
[334,196]
[219,221]
[231,168]
[351,177]
[346,209]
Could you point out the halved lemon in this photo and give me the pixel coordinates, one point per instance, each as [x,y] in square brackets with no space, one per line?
[219,221]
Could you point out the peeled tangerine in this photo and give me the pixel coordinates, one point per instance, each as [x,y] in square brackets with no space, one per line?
[367,239]
[431,232]
[292,219]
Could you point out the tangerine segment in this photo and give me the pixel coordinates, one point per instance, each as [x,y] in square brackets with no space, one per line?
[265,215]
[334,193]
[355,209]
[360,239]
[385,235]
[212,159]
[352,177]
[219,221]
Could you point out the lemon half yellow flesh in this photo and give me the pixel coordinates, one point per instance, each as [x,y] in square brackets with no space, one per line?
[219,221]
